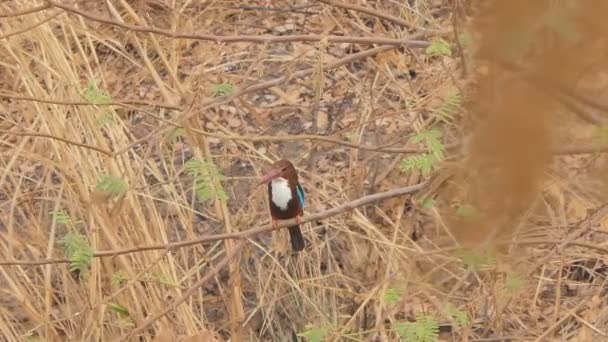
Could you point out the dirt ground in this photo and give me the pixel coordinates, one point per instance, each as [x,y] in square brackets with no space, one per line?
[133,135]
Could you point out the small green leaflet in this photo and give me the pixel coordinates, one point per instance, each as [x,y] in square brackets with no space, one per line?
[113,185]
[79,251]
[513,283]
[119,309]
[438,47]
[61,217]
[458,316]
[204,174]
[96,96]
[392,295]
[315,334]
[221,89]
[425,162]
[425,329]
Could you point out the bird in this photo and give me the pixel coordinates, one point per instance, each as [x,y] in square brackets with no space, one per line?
[286,198]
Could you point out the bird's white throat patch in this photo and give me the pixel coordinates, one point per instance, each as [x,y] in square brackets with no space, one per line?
[281,193]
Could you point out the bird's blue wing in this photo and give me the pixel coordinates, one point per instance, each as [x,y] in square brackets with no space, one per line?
[300,192]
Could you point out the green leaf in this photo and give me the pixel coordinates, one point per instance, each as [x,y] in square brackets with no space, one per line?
[428,203]
[124,323]
[465,39]
[473,259]
[393,295]
[119,309]
[450,106]
[96,96]
[467,211]
[513,283]
[425,329]
[176,134]
[425,162]
[166,279]
[315,334]
[205,176]
[459,317]
[35,338]
[79,251]
[112,185]
[221,89]
[438,47]
[119,277]
[107,117]
[61,217]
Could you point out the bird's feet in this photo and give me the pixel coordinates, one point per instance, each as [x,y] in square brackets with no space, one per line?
[274,223]
[298,219]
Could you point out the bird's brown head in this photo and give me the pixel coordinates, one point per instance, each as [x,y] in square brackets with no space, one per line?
[282,168]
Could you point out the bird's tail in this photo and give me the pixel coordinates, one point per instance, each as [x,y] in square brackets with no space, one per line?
[296,237]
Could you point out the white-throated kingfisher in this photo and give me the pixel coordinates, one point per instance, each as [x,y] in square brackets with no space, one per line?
[286,198]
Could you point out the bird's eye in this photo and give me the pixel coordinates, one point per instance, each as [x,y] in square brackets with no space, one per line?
[284,169]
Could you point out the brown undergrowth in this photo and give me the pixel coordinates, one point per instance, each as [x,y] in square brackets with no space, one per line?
[137,124]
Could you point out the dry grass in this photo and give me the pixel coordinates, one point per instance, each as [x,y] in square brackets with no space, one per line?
[364,270]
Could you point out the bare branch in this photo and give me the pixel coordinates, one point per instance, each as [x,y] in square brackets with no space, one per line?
[377,197]
[31,27]
[120,102]
[245,38]
[26,11]
[67,141]
[369,11]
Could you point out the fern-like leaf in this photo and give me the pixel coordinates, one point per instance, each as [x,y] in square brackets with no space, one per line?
[205,176]
[438,47]
[315,334]
[465,39]
[94,95]
[450,106]
[61,217]
[425,162]
[119,309]
[425,329]
[393,295]
[459,317]
[79,251]
[176,134]
[112,185]
[119,277]
[221,89]
[474,260]
[513,283]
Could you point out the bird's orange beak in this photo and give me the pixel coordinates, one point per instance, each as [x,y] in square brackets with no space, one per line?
[270,175]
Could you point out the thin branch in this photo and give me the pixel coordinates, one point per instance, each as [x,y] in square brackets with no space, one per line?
[189,112]
[369,11]
[121,103]
[365,200]
[26,11]
[191,291]
[52,137]
[245,38]
[296,9]
[31,27]
[318,138]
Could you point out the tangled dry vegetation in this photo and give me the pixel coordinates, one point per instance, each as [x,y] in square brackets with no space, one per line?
[130,154]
